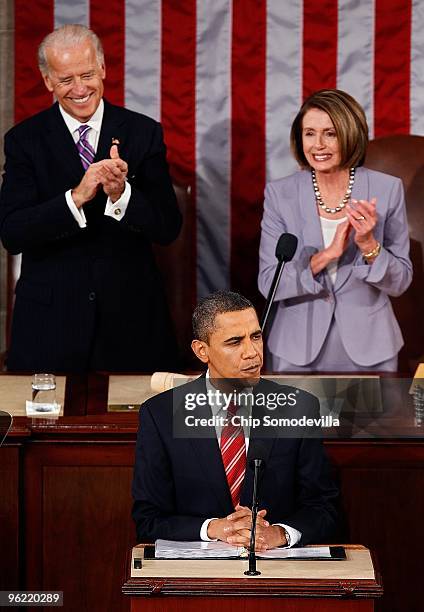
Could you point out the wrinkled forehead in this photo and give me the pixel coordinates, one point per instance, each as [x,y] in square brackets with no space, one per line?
[59,55]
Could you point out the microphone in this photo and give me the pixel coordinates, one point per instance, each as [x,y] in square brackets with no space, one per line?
[286,247]
[257,465]
[284,252]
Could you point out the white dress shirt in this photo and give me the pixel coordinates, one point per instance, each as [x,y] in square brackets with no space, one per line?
[246,411]
[117,209]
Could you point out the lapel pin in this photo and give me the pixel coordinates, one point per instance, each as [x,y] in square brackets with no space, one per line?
[115,141]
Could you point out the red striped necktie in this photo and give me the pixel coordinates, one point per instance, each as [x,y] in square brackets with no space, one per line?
[233,451]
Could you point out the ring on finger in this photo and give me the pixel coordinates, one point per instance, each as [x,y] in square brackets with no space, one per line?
[361,218]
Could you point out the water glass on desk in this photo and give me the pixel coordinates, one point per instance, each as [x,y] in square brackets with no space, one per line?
[44,394]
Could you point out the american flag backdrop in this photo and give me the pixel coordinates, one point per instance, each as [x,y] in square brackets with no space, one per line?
[226,78]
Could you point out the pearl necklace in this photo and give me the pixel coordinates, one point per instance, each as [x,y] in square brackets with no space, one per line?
[346,196]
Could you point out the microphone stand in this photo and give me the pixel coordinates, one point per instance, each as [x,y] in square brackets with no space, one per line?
[252,571]
[272,292]
[284,251]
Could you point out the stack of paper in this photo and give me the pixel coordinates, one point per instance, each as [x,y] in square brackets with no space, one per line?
[317,552]
[169,549]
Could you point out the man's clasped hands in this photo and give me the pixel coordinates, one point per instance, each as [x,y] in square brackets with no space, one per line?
[108,174]
[236,529]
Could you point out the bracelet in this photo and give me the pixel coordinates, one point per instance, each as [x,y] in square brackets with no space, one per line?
[376,250]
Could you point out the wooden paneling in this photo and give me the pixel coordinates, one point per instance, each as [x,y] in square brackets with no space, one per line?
[75,509]
[93,496]
[9,518]
[382,506]
[80,502]
[249,604]
[382,487]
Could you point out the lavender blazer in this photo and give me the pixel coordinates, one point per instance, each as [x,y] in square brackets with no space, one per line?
[359,299]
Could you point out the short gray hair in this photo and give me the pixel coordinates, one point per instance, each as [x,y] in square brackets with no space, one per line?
[68,36]
[208,308]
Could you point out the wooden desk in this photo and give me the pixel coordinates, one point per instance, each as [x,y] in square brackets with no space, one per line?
[68,481]
[286,586]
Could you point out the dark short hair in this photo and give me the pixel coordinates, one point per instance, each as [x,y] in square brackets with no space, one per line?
[349,121]
[208,308]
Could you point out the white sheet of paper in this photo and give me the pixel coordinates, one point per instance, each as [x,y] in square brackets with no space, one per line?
[295,553]
[170,549]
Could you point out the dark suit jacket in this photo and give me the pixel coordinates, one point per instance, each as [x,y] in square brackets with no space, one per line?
[87,297]
[180,482]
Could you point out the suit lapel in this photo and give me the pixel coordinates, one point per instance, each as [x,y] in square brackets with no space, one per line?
[113,126]
[62,146]
[260,446]
[208,454]
[311,226]
[360,191]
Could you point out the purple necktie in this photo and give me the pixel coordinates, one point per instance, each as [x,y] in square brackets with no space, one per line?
[85,150]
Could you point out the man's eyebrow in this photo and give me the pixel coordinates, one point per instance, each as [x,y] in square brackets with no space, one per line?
[238,338]
[232,339]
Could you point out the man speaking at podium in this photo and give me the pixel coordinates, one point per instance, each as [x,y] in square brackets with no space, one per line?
[86,191]
[197,485]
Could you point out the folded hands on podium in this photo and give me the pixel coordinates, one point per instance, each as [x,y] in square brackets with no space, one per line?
[236,529]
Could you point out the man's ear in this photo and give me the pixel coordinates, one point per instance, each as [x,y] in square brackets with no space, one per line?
[48,83]
[201,350]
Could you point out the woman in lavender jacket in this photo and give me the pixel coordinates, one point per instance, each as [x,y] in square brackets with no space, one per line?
[333,307]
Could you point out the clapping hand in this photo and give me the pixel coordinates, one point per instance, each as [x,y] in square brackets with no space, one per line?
[109,174]
[114,174]
[340,241]
[363,219]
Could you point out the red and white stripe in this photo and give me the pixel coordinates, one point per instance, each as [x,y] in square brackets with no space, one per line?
[142,57]
[355,66]
[233,451]
[417,68]
[226,78]
[76,11]
[283,83]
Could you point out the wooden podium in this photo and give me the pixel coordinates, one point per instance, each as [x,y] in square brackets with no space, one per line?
[284,585]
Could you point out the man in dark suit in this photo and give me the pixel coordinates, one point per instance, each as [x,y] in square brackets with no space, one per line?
[184,485]
[86,191]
